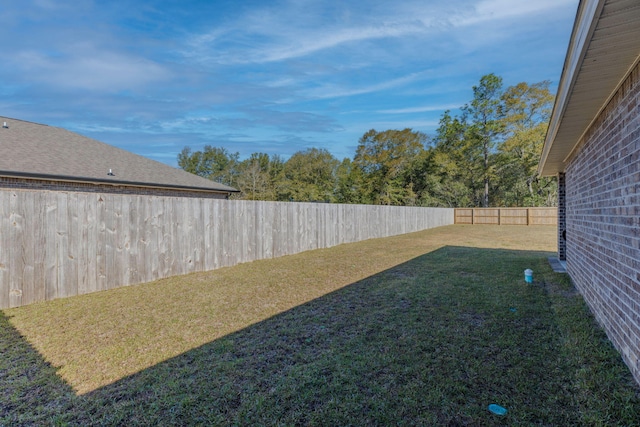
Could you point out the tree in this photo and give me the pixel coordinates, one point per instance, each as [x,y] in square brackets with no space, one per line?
[453,181]
[213,163]
[485,126]
[309,175]
[254,179]
[465,148]
[489,154]
[384,159]
[349,183]
[485,156]
[527,109]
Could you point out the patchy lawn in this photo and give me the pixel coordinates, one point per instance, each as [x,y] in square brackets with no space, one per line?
[427,328]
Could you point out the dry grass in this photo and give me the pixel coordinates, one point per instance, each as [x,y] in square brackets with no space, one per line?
[99,338]
[421,329]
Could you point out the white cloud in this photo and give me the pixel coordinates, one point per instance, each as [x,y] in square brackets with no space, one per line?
[334,91]
[96,128]
[285,32]
[293,30]
[308,43]
[91,70]
[493,10]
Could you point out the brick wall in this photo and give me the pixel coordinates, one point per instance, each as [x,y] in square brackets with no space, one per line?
[603,219]
[38,184]
[562,216]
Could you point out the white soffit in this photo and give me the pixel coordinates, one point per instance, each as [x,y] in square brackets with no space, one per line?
[604,47]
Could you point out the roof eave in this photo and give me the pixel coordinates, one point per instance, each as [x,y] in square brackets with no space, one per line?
[80,180]
[584,26]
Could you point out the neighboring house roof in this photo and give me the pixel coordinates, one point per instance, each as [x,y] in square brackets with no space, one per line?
[36,151]
[603,50]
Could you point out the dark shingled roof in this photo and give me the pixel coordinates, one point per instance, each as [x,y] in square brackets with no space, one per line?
[32,150]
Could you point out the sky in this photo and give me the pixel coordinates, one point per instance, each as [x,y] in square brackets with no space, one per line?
[274,77]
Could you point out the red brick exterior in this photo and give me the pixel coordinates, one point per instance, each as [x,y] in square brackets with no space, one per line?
[603,219]
[38,184]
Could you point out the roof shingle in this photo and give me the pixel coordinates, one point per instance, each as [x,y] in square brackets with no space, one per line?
[35,150]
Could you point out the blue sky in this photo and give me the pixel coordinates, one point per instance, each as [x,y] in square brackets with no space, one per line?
[274,77]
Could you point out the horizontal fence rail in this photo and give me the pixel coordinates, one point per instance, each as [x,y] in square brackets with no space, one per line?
[59,244]
[507,216]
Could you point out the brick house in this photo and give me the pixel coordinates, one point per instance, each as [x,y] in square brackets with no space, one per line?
[593,147]
[41,157]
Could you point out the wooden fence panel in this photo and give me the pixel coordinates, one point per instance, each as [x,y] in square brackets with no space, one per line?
[513,216]
[507,216]
[215,235]
[464,216]
[75,217]
[5,247]
[123,235]
[57,244]
[136,216]
[486,216]
[50,248]
[62,247]
[39,241]
[543,216]
[16,262]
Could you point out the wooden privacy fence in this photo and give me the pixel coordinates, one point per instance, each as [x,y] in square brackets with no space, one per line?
[59,244]
[507,216]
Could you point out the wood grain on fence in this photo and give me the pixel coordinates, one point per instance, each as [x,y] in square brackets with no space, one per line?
[58,244]
[507,216]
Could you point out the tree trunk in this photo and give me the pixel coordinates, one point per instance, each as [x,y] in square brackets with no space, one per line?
[485,200]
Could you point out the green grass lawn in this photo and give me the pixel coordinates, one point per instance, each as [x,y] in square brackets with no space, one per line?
[427,328]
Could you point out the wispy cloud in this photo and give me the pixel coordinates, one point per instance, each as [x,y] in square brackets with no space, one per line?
[335,91]
[423,109]
[271,34]
[493,10]
[306,43]
[88,70]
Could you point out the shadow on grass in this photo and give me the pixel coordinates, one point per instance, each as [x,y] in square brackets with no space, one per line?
[30,390]
[432,341]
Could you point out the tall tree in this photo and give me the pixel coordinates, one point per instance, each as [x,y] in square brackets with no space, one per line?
[485,126]
[489,154]
[454,180]
[384,159]
[527,109]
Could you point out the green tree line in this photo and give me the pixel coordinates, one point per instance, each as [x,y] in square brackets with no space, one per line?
[485,156]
